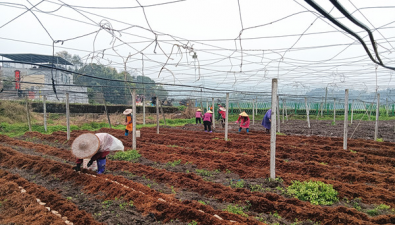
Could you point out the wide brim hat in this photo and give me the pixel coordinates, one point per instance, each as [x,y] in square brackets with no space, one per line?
[127,111]
[243,114]
[85,146]
[209,111]
[199,110]
[222,109]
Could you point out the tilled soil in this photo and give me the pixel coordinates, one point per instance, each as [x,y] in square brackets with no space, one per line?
[364,171]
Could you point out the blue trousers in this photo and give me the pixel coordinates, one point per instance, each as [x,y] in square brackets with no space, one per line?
[247,129]
[101,165]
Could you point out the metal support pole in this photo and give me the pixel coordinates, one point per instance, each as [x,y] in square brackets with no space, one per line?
[345,120]
[212,99]
[307,113]
[157,115]
[273,131]
[227,117]
[68,116]
[326,95]
[134,120]
[45,112]
[376,127]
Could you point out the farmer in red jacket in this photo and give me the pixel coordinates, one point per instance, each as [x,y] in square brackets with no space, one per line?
[244,121]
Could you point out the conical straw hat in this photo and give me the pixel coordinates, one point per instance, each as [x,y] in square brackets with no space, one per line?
[199,110]
[222,109]
[127,111]
[209,111]
[243,114]
[85,146]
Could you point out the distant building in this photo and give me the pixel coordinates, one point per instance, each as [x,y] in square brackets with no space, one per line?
[35,80]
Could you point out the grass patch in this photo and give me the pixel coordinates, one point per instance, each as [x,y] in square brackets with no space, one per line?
[316,192]
[129,155]
[379,140]
[174,163]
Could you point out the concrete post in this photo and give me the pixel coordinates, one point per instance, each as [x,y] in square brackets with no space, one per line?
[134,119]
[352,110]
[45,112]
[273,131]
[157,115]
[307,113]
[214,114]
[227,117]
[68,116]
[278,115]
[253,112]
[334,111]
[376,127]
[345,120]
[283,110]
[144,108]
[28,113]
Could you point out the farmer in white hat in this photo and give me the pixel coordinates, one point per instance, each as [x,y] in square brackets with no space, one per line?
[94,147]
[207,120]
[128,121]
[244,121]
[222,112]
[198,116]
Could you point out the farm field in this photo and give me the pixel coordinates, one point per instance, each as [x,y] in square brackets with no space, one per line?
[185,176]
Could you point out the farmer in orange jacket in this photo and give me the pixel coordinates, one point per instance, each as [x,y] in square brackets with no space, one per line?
[128,121]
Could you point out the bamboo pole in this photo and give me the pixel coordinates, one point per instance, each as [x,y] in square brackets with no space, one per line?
[273,131]
[345,120]
[68,116]
[45,112]
[134,119]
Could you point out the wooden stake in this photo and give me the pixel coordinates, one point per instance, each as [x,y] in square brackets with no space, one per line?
[45,112]
[28,113]
[157,115]
[345,120]
[134,120]
[376,127]
[227,117]
[273,131]
[307,113]
[105,108]
[68,116]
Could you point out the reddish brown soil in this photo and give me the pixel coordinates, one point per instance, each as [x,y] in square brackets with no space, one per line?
[143,197]
[22,208]
[368,173]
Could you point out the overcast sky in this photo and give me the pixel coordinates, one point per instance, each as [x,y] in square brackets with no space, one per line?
[240,45]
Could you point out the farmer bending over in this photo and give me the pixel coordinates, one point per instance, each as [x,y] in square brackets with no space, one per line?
[94,147]
[244,121]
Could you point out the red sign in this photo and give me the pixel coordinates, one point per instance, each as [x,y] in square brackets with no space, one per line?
[17,79]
